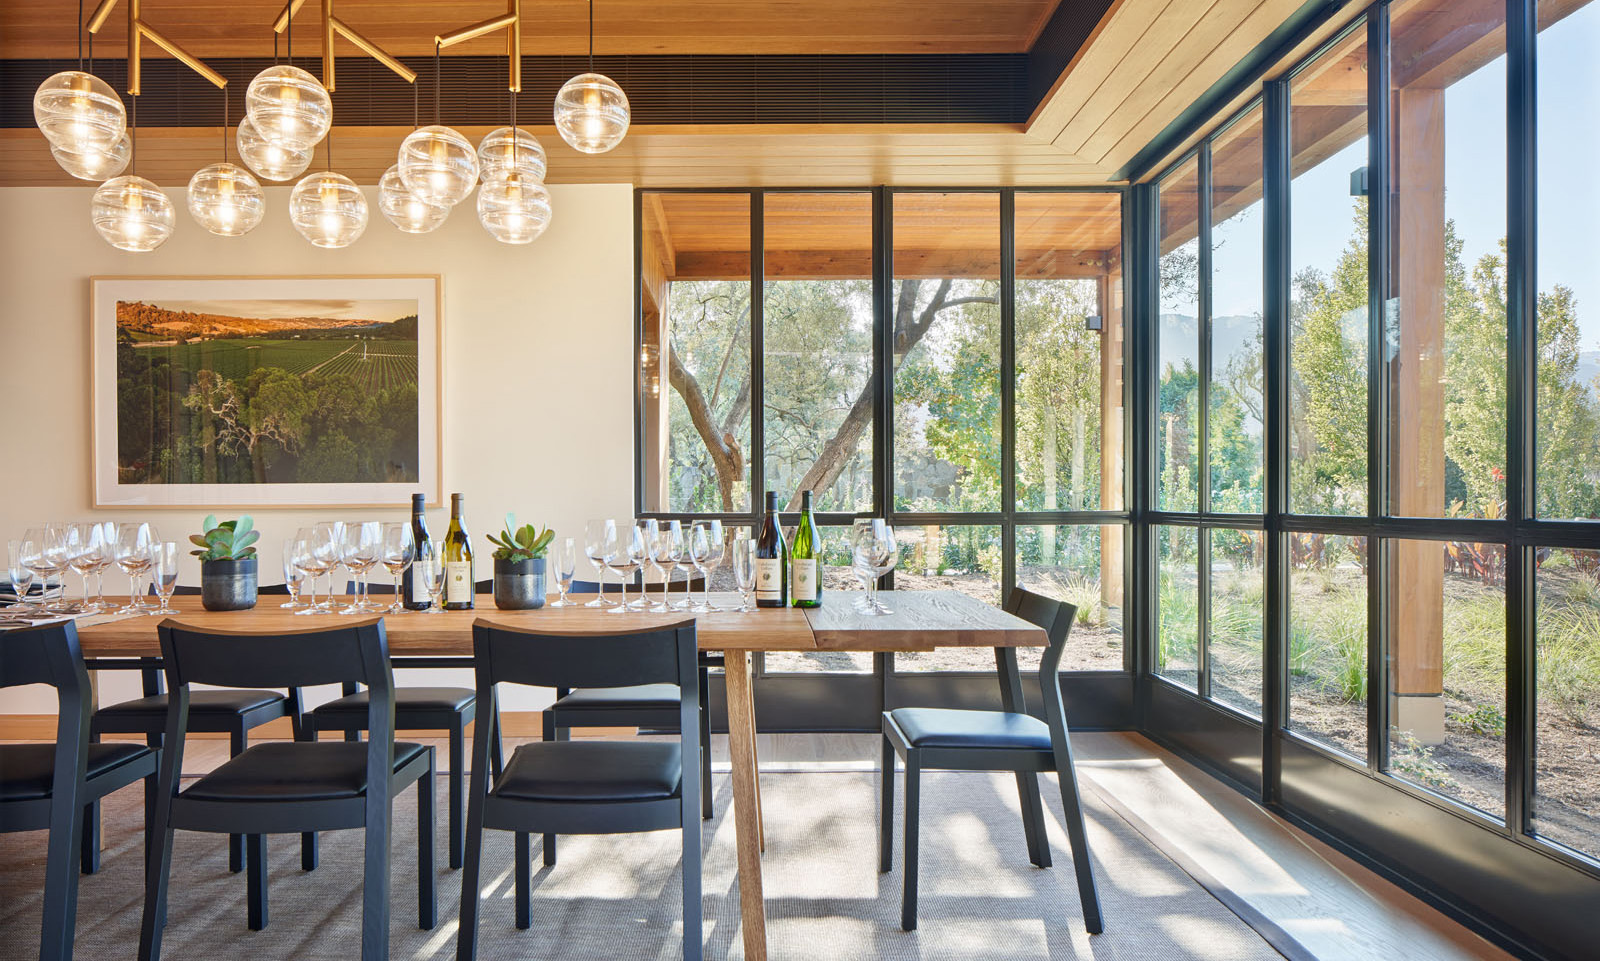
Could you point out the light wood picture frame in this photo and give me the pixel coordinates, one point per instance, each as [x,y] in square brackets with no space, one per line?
[266,391]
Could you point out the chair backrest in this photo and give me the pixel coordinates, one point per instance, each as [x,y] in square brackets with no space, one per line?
[1056,618]
[663,655]
[49,654]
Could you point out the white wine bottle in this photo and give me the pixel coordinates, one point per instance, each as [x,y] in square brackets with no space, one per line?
[772,575]
[458,582]
[805,559]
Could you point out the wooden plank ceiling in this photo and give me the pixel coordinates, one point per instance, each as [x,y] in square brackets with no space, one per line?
[1145,63]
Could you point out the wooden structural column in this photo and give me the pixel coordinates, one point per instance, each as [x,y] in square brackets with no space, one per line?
[1417,461]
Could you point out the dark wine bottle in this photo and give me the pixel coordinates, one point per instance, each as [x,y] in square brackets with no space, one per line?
[458,582]
[413,593]
[805,559]
[772,560]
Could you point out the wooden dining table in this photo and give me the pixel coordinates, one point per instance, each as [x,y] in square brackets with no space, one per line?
[922,621]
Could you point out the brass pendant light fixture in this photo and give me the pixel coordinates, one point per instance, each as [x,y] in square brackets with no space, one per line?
[592,112]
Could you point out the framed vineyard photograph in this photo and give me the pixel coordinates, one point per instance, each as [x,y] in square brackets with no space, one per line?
[265,391]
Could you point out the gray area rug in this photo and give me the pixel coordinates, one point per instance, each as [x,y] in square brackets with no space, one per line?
[619,897]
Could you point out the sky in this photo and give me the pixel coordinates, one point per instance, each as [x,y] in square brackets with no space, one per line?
[1475,178]
[377,311]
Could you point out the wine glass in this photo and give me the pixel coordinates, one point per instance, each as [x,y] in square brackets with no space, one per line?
[164,559]
[309,559]
[431,570]
[565,559]
[658,551]
[327,541]
[680,561]
[132,554]
[108,541]
[875,551]
[17,553]
[294,576]
[705,553]
[399,551]
[744,569]
[47,558]
[624,547]
[363,541]
[594,544]
[88,555]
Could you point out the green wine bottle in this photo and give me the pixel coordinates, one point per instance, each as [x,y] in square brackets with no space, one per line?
[805,559]
[457,550]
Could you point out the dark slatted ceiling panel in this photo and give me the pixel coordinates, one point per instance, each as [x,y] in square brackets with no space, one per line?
[1063,36]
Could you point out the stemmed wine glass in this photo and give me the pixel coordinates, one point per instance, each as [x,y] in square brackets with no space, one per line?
[744,569]
[399,550]
[17,553]
[327,539]
[705,553]
[431,570]
[874,555]
[164,560]
[88,556]
[363,546]
[309,559]
[108,541]
[680,561]
[659,552]
[294,576]
[565,558]
[48,558]
[133,556]
[624,547]
[594,543]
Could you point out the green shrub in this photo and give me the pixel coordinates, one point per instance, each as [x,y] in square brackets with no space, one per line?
[1485,719]
[1413,759]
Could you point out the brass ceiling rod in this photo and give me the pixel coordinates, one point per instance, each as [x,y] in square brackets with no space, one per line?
[511,22]
[138,30]
[331,25]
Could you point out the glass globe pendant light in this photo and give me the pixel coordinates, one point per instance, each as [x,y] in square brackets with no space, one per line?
[94,164]
[511,148]
[79,112]
[289,107]
[224,198]
[591,111]
[130,212]
[406,210]
[436,162]
[273,161]
[513,210]
[328,209]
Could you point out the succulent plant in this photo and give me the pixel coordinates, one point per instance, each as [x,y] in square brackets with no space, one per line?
[227,541]
[523,543]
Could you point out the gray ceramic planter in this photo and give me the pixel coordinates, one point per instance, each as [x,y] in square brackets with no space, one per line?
[519,585]
[228,585]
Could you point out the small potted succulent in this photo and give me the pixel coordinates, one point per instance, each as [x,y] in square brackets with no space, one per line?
[519,565]
[227,564]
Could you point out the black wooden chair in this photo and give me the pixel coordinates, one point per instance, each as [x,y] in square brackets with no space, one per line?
[649,707]
[1007,740]
[45,786]
[447,709]
[288,787]
[234,713]
[586,786]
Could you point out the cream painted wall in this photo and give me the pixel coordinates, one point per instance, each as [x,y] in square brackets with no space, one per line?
[537,362]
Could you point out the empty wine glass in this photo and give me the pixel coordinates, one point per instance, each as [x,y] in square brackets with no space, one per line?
[431,570]
[327,541]
[294,576]
[164,560]
[87,548]
[624,553]
[744,569]
[399,551]
[308,558]
[564,557]
[875,551]
[132,554]
[108,540]
[21,574]
[680,561]
[594,542]
[705,542]
[47,558]
[659,553]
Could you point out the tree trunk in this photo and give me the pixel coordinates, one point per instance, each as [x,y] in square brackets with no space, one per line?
[726,455]
[1047,533]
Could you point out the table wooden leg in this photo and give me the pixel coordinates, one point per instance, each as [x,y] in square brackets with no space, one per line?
[746,809]
[755,768]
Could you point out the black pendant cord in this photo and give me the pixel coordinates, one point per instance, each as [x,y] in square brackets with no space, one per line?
[416,113]
[133,138]
[591,36]
[438,81]
[225,111]
[274,48]
[81,32]
[514,137]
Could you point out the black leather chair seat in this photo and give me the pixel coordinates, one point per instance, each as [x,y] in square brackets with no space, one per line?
[27,770]
[597,771]
[642,697]
[943,727]
[414,698]
[295,771]
[211,703]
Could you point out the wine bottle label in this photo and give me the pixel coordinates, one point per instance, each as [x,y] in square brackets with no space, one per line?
[805,578]
[769,579]
[458,582]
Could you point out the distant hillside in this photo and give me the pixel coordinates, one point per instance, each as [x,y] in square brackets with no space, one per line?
[145,321]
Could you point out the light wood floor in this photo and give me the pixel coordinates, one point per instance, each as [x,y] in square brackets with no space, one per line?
[1334,908]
